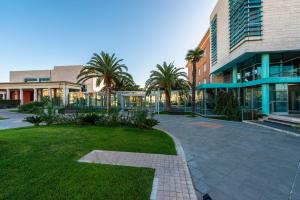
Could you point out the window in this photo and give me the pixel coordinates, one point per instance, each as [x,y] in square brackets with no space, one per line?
[285,64]
[44,79]
[199,72]
[245,20]
[250,69]
[204,53]
[214,40]
[29,80]
[204,81]
[204,67]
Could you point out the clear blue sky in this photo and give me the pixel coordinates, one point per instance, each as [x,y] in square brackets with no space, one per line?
[38,34]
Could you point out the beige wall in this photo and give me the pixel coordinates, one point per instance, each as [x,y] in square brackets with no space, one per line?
[281,29]
[59,73]
[19,76]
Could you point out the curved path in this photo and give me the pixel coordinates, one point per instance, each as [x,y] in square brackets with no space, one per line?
[237,161]
[14,120]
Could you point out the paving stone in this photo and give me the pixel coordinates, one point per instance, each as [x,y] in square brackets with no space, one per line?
[174,181]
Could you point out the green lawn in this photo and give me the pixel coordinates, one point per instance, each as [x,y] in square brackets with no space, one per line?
[2,117]
[41,162]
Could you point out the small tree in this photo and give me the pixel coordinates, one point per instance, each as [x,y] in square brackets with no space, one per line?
[227,104]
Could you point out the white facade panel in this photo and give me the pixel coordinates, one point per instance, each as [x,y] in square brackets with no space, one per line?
[281,28]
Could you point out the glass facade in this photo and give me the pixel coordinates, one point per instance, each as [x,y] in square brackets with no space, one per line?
[245,20]
[250,70]
[285,64]
[214,55]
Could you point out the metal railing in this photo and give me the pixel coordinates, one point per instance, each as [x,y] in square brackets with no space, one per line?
[251,114]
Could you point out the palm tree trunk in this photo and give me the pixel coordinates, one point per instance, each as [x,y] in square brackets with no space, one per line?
[168,100]
[194,89]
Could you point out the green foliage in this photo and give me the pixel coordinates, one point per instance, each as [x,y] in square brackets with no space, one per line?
[32,108]
[151,122]
[9,103]
[49,116]
[109,70]
[90,118]
[227,105]
[138,119]
[36,120]
[41,163]
[169,78]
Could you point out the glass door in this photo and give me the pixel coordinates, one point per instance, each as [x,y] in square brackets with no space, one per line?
[294,99]
[279,99]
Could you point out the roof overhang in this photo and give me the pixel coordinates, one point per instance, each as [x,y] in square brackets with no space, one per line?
[31,85]
[271,80]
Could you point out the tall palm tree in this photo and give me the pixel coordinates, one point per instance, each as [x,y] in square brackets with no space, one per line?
[167,77]
[126,84]
[104,68]
[194,56]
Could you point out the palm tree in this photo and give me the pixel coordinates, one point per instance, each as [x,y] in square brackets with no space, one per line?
[126,84]
[104,68]
[167,77]
[194,56]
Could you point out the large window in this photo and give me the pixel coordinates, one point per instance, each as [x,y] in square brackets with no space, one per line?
[285,64]
[250,69]
[245,20]
[214,40]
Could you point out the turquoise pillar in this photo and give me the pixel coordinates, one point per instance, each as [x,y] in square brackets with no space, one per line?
[234,74]
[265,88]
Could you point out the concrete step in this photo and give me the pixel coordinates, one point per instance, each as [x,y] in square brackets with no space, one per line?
[279,126]
[281,122]
[286,119]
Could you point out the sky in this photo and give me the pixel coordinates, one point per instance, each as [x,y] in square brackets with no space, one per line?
[40,34]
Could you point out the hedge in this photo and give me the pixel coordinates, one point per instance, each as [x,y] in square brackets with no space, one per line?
[9,103]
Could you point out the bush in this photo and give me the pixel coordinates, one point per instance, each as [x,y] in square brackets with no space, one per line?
[36,120]
[151,122]
[9,104]
[90,118]
[138,119]
[32,108]
[49,116]
[227,105]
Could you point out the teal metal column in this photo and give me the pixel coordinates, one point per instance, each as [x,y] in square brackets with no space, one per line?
[234,74]
[265,88]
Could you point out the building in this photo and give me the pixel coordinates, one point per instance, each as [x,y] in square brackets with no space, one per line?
[203,66]
[255,51]
[29,86]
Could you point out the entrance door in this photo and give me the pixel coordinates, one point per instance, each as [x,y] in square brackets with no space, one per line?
[279,99]
[294,99]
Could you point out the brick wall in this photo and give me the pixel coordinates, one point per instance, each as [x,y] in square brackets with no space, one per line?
[205,60]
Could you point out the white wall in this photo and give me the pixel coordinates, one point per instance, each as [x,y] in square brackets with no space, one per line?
[281,30]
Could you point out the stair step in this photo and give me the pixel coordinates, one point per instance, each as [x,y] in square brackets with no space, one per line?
[286,119]
[279,126]
[284,123]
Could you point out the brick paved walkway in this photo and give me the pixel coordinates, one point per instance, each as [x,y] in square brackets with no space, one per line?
[172,178]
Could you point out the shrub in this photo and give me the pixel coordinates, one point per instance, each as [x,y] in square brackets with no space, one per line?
[32,108]
[49,116]
[151,122]
[9,103]
[227,105]
[90,118]
[36,120]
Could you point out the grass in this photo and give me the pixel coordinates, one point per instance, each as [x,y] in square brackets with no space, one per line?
[2,117]
[41,162]
[16,110]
